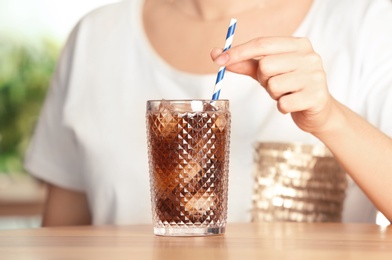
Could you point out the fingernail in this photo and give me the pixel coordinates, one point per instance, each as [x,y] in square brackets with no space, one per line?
[222,59]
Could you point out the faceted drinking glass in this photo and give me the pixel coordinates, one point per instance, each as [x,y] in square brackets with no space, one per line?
[188,149]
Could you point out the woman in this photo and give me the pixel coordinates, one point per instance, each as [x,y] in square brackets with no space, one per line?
[310,56]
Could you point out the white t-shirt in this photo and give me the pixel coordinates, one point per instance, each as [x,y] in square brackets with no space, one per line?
[91,134]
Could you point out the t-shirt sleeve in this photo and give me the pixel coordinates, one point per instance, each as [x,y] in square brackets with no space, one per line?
[376,66]
[374,56]
[53,154]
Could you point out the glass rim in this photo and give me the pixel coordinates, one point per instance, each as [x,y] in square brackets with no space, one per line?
[187,100]
[188,105]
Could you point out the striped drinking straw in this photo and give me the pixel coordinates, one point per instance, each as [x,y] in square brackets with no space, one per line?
[221,73]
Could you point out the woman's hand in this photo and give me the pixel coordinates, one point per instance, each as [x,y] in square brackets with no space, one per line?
[290,71]
[293,75]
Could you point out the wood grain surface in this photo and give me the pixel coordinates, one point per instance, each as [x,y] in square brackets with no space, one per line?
[241,241]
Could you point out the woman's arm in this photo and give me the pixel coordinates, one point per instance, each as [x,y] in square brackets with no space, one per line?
[364,152]
[64,207]
[293,75]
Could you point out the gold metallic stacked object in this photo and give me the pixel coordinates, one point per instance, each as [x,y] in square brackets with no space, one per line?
[297,182]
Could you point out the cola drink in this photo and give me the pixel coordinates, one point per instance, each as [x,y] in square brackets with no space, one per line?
[188,146]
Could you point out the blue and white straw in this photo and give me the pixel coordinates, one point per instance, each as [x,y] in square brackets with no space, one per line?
[221,73]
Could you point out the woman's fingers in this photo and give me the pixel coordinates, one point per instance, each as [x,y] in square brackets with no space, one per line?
[291,76]
[283,84]
[290,71]
[272,65]
[304,98]
[262,46]
[293,82]
[215,52]
[264,57]
[246,67]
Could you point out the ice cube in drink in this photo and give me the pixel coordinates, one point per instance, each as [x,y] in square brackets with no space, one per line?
[188,160]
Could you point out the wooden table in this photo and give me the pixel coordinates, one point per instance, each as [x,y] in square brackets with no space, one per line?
[241,241]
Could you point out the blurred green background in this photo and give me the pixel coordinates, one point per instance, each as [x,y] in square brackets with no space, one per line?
[25,73]
[31,35]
